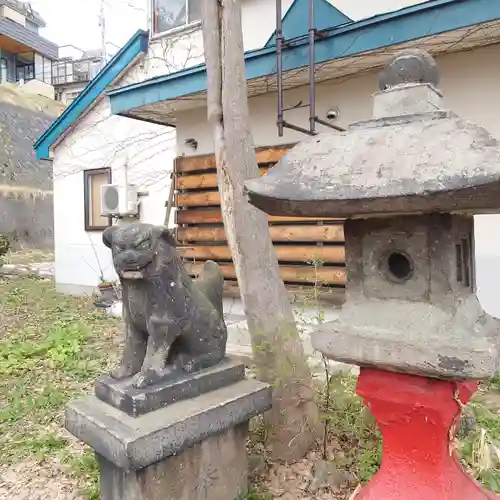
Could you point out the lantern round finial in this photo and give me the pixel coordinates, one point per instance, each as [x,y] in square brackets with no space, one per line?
[407,67]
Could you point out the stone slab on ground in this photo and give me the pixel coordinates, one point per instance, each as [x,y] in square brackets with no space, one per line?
[38,269]
[134,402]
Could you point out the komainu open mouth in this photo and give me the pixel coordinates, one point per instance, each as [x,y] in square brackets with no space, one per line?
[133,275]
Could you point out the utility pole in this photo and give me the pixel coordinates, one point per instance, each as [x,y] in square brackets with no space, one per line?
[102,24]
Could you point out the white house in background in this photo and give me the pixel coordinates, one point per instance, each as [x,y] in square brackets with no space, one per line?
[89,147]
[123,122]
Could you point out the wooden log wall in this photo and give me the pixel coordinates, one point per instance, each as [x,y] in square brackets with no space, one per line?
[310,251]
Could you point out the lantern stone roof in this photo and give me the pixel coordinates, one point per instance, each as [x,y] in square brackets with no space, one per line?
[413,157]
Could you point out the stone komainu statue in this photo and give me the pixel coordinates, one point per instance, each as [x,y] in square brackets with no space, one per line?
[173,324]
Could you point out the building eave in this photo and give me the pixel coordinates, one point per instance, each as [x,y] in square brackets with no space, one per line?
[422,21]
[127,55]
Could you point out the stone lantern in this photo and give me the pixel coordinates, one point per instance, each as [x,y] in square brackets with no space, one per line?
[408,183]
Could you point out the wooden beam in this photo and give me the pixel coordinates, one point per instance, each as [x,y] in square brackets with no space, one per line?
[266,154]
[198,216]
[201,181]
[196,199]
[214,216]
[332,233]
[331,275]
[331,254]
[299,294]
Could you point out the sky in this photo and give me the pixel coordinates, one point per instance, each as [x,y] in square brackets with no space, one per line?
[76,22]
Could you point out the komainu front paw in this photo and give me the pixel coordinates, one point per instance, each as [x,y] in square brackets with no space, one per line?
[150,377]
[186,363]
[189,367]
[122,371]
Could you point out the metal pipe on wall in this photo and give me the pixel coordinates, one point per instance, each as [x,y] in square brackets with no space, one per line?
[279,66]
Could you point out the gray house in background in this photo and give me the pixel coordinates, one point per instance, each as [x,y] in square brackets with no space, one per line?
[24,54]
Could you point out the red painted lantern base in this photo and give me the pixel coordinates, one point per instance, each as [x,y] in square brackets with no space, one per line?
[417,418]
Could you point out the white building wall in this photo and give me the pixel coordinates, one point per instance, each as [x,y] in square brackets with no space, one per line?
[180,50]
[469,82]
[140,151]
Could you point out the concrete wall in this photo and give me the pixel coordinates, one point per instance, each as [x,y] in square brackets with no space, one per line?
[39,88]
[470,85]
[25,183]
[26,217]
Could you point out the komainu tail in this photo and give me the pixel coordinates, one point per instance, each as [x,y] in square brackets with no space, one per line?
[211,283]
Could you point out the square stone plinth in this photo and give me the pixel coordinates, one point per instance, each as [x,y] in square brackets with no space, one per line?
[215,469]
[134,402]
[135,443]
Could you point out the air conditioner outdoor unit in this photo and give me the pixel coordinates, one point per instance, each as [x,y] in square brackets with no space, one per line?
[119,200]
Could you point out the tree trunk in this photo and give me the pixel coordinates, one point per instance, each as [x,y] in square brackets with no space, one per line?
[278,352]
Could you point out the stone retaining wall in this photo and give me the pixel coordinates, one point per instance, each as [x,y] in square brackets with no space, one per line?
[27,218]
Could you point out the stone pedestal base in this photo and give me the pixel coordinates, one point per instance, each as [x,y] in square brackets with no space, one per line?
[416,416]
[215,469]
[192,449]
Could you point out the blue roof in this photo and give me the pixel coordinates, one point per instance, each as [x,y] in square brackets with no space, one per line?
[411,23]
[137,45]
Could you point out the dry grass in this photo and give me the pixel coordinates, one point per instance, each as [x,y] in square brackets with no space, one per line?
[13,94]
[28,256]
[52,347]
[480,450]
[353,448]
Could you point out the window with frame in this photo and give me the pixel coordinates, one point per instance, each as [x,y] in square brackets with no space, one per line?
[25,73]
[25,66]
[92,182]
[43,69]
[3,70]
[172,14]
